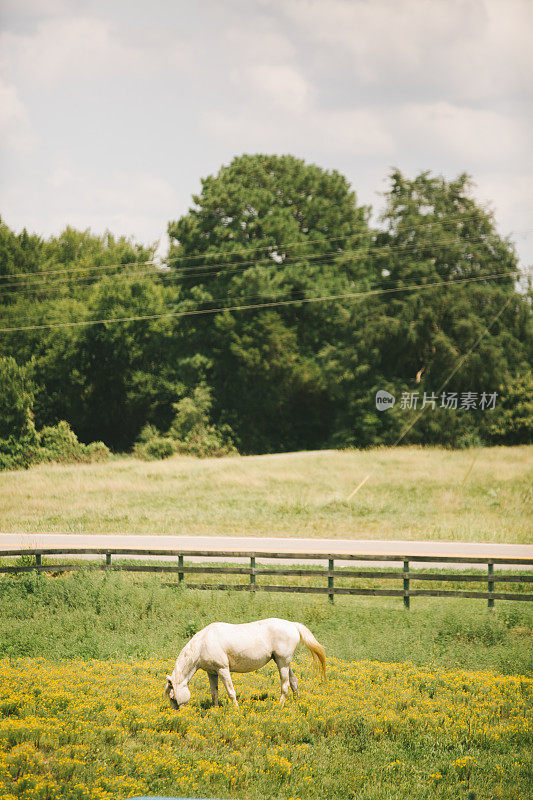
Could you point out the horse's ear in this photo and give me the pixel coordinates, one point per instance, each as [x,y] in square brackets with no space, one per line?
[169,678]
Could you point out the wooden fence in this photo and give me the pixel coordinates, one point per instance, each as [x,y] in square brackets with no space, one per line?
[32,559]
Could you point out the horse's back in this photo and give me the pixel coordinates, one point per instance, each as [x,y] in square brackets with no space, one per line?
[248,645]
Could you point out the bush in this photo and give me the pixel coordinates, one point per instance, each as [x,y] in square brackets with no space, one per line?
[97,451]
[19,453]
[151,445]
[512,419]
[55,443]
[60,443]
[192,431]
[468,439]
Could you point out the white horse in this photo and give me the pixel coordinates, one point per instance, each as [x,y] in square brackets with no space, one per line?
[221,647]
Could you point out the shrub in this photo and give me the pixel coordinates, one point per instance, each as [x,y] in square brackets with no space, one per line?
[19,453]
[151,445]
[512,420]
[60,443]
[192,430]
[97,451]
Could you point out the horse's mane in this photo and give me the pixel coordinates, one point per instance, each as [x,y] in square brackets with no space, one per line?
[188,655]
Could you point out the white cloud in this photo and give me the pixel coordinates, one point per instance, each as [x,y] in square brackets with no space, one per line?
[89,48]
[136,203]
[358,132]
[476,48]
[65,49]
[15,132]
[282,84]
[472,135]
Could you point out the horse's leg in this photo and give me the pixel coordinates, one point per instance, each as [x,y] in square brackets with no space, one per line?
[213,683]
[293,680]
[284,671]
[228,683]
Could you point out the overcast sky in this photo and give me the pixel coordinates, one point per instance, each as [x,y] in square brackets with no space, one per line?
[110,112]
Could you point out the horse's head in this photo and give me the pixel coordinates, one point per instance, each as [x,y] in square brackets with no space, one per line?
[178,695]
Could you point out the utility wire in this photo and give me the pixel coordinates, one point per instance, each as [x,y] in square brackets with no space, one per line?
[249,297]
[426,223]
[269,304]
[454,371]
[21,288]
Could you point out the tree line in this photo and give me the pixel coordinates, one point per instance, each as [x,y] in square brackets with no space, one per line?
[279,313]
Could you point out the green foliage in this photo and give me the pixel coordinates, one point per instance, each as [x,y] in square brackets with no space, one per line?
[434,231]
[152,446]
[269,229]
[18,452]
[18,438]
[191,430]
[16,400]
[20,444]
[267,222]
[512,420]
[60,443]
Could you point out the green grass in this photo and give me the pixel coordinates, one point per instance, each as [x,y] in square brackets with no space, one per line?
[81,712]
[82,715]
[470,495]
[123,616]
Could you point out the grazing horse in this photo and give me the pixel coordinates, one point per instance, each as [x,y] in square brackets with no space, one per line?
[220,648]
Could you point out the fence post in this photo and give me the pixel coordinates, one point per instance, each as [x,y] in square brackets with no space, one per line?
[180,564]
[107,560]
[491,584]
[406,597]
[331,566]
[252,573]
[38,559]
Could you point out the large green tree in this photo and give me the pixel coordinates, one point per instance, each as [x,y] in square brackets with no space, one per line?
[267,229]
[433,231]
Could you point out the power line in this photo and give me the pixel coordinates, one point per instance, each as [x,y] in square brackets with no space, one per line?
[454,371]
[269,304]
[212,269]
[425,223]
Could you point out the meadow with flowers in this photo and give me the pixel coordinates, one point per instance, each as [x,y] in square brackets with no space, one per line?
[102,729]
[434,702]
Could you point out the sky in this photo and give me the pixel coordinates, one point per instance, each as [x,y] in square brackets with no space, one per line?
[111,111]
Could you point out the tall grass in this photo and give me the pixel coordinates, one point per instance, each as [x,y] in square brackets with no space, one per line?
[121,616]
[413,493]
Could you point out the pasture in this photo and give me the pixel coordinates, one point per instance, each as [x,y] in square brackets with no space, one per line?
[101,730]
[435,701]
[478,495]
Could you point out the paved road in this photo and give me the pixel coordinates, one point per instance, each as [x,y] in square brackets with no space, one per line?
[268,544]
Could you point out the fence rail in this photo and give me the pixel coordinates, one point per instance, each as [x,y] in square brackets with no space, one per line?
[406,575]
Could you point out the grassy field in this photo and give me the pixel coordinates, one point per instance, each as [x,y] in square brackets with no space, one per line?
[469,495]
[431,702]
[102,731]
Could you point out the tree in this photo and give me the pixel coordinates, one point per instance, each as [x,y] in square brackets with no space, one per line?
[269,229]
[434,231]
[16,400]
[124,374]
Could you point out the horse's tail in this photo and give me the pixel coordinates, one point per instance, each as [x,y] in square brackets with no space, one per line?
[315,648]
